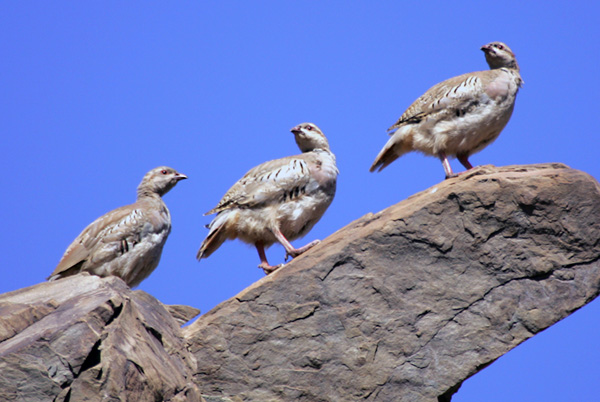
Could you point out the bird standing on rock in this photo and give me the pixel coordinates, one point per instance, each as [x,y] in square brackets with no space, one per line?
[277,201]
[459,116]
[128,241]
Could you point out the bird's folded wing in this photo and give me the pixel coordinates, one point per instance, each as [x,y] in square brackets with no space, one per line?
[456,93]
[117,225]
[273,181]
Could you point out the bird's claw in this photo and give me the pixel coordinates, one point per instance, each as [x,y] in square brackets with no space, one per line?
[269,269]
[296,252]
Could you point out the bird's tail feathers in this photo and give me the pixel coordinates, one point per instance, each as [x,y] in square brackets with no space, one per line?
[216,236]
[398,145]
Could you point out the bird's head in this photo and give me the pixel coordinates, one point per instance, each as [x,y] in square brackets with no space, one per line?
[159,181]
[309,137]
[498,55]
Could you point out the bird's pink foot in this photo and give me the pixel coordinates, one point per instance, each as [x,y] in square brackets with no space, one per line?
[295,252]
[464,160]
[264,264]
[269,269]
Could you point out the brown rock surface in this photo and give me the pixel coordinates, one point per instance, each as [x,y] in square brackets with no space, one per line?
[403,305]
[407,303]
[88,338]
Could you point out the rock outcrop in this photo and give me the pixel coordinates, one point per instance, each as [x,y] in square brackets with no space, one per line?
[85,338]
[403,305]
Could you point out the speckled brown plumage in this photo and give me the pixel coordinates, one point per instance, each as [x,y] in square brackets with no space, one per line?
[459,116]
[128,241]
[277,201]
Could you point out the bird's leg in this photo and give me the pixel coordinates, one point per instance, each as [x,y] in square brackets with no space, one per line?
[290,251]
[446,164]
[464,159]
[264,264]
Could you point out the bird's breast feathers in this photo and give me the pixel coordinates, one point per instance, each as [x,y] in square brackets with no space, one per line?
[323,169]
[505,85]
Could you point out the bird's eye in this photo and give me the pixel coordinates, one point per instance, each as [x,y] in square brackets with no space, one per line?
[309,128]
[500,47]
[163,171]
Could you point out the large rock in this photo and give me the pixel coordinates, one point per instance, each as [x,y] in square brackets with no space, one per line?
[402,305]
[408,303]
[85,338]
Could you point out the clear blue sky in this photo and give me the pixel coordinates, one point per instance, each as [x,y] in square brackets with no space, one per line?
[94,94]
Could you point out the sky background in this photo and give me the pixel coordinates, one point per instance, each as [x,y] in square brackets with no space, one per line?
[95,94]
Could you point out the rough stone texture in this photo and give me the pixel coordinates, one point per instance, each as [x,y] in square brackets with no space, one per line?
[88,338]
[401,305]
[408,303]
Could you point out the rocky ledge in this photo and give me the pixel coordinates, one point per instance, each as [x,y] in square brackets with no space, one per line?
[403,305]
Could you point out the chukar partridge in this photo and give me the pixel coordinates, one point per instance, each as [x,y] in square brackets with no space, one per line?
[277,201]
[459,116]
[128,241]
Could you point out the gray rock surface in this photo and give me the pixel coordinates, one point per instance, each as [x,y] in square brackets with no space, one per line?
[407,303]
[403,305]
[93,339]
